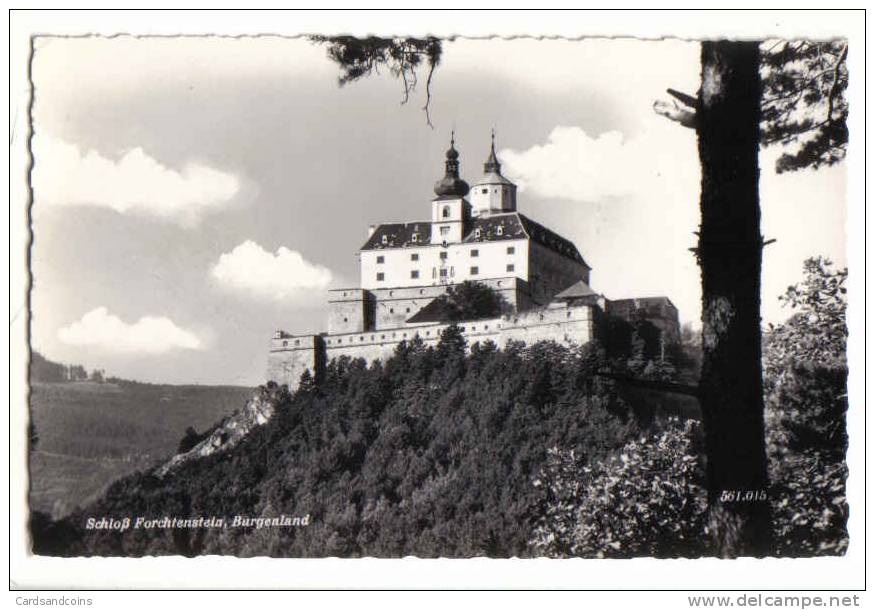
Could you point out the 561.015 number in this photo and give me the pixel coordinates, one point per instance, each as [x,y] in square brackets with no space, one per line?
[757,495]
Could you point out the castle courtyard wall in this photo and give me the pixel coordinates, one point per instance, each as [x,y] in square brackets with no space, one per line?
[567,325]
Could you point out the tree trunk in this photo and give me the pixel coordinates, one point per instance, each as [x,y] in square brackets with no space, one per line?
[730,255]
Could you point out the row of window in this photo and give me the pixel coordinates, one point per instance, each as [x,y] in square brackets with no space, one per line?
[443,255]
[414,274]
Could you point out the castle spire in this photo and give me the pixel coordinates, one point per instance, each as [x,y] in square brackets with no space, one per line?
[451,185]
[492,166]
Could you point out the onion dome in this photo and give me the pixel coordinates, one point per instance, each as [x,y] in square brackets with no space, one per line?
[451,186]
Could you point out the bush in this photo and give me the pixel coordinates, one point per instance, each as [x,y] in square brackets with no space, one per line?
[647,498]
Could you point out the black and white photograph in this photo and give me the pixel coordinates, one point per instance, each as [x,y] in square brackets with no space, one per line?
[412,294]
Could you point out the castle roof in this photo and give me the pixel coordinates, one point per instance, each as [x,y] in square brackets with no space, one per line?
[577,290]
[399,235]
[496,227]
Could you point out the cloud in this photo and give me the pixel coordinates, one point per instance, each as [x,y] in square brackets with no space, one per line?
[250,268]
[149,335]
[574,165]
[65,176]
[630,203]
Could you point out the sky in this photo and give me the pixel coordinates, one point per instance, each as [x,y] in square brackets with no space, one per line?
[194,194]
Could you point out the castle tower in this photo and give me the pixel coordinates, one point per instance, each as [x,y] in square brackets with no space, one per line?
[450,211]
[493,193]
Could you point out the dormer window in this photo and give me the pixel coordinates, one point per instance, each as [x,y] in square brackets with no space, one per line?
[385,240]
[499,231]
[415,237]
[477,233]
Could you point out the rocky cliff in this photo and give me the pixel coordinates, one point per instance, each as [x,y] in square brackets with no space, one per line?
[258,411]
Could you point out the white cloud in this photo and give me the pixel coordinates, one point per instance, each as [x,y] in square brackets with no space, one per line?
[576,166]
[150,335]
[65,176]
[251,268]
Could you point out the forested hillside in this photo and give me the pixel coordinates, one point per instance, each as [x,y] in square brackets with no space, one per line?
[433,453]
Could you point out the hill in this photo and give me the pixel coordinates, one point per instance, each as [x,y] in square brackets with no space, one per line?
[433,453]
[89,434]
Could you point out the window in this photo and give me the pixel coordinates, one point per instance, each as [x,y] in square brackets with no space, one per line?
[510,267]
[475,253]
[477,233]
[484,191]
[346,319]
[499,231]
[445,230]
[446,212]
[475,270]
[381,260]
[391,310]
[511,250]
[443,256]
[443,273]
[385,239]
[285,343]
[414,275]
[414,257]
[415,237]
[407,310]
[381,277]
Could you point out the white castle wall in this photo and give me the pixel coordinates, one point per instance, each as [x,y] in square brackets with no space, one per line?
[398,265]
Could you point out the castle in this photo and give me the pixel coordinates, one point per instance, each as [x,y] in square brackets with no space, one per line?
[475,233]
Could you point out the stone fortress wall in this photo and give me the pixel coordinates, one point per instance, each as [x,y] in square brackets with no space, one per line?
[290,356]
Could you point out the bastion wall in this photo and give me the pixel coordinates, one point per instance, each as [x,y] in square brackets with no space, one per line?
[291,355]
